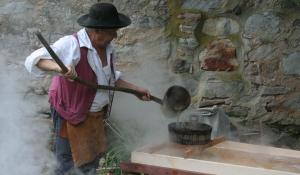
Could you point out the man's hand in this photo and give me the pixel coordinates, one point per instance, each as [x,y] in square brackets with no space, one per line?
[71,74]
[145,92]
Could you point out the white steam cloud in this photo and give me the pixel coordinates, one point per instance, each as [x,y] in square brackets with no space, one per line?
[24,138]
[144,121]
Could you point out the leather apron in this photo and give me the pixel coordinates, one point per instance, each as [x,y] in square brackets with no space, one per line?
[87,139]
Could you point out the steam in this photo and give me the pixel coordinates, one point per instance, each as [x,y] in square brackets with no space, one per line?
[144,121]
[24,138]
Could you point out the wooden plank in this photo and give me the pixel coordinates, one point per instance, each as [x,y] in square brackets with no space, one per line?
[225,158]
[154,170]
[259,149]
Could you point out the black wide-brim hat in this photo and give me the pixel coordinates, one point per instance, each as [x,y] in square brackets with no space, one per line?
[104,16]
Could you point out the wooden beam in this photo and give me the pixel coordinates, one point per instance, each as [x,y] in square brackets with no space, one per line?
[154,170]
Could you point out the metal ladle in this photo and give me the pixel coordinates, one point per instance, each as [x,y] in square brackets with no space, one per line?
[176,99]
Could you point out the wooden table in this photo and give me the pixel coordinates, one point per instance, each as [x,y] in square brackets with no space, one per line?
[154,170]
[225,158]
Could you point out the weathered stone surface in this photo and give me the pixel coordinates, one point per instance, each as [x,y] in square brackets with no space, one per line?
[294,38]
[290,4]
[251,69]
[218,56]
[134,53]
[205,5]
[296,23]
[184,52]
[237,10]
[291,63]
[130,36]
[220,89]
[287,141]
[189,16]
[277,90]
[283,122]
[255,80]
[268,53]
[291,120]
[293,103]
[272,105]
[273,117]
[148,22]
[15,7]
[188,29]
[191,84]
[262,52]
[269,72]
[180,66]
[258,107]
[209,103]
[220,26]
[265,26]
[238,111]
[189,42]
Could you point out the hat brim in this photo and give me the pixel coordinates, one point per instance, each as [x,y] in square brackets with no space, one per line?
[88,22]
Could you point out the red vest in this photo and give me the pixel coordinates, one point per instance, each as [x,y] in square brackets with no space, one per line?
[71,99]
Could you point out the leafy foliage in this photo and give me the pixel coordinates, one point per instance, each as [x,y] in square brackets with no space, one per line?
[121,142]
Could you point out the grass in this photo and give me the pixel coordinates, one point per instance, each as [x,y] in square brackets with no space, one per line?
[119,148]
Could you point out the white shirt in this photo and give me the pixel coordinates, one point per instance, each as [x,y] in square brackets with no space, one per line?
[68,51]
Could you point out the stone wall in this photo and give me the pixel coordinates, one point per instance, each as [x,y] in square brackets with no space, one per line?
[240,55]
[19,19]
[245,57]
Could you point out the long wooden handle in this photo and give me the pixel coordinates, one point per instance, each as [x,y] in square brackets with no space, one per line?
[51,52]
[87,83]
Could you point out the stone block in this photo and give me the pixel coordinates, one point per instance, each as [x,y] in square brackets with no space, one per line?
[180,66]
[263,52]
[205,5]
[264,26]
[220,26]
[219,56]
[184,52]
[293,103]
[238,111]
[220,89]
[189,16]
[188,29]
[291,63]
[190,42]
[208,103]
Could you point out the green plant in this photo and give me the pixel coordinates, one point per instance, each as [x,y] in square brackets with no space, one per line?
[121,142]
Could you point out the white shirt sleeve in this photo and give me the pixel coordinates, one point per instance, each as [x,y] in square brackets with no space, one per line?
[66,49]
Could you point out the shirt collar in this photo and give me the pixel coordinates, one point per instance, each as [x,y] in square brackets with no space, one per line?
[84,41]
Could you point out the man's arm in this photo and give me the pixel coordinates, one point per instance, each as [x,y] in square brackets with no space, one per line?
[125,84]
[40,60]
[50,65]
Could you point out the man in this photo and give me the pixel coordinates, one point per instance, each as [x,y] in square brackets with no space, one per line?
[77,110]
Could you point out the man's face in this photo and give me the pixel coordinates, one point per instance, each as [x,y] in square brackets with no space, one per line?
[102,37]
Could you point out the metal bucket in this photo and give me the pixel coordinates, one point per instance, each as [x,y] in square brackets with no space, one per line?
[190,133]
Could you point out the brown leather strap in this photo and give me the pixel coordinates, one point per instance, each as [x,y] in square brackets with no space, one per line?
[63,130]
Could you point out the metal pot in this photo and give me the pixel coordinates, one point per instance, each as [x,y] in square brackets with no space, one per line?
[176,100]
[190,133]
